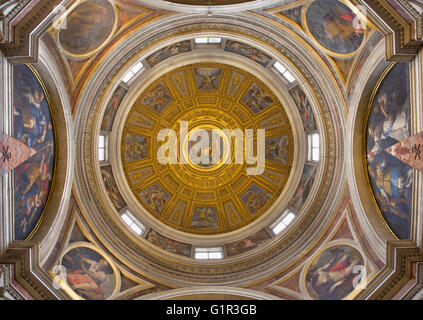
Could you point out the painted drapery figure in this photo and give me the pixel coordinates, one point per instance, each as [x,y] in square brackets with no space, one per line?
[389,123]
[32,125]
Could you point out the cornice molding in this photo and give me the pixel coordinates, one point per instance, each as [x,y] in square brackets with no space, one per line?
[22,22]
[28,280]
[177,270]
[397,273]
[402,25]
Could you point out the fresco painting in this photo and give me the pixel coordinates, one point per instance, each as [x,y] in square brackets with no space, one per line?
[335,26]
[88,27]
[248,243]
[33,127]
[169,51]
[389,123]
[207,78]
[157,98]
[156,197]
[136,147]
[111,188]
[331,274]
[304,108]
[167,244]
[257,99]
[89,274]
[304,188]
[247,51]
[277,149]
[112,108]
[255,199]
[204,218]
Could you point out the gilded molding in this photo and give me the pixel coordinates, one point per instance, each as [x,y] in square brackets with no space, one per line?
[23,257]
[20,43]
[402,27]
[177,270]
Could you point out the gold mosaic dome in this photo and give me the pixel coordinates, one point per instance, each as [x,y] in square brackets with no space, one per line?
[200,197]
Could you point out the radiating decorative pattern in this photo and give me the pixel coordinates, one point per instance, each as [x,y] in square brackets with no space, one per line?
[33,128]
[388,128]
[211,196]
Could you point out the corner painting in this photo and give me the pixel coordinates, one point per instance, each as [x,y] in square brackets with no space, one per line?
[88,28]
[389,123]
[335,26]
[88,273]
[32,126]
[333,273]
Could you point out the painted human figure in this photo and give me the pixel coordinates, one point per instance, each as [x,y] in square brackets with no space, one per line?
[393,122]
[155,198]
[31,124]
[276,150]
[257,99]
[342,24]
[328,280]
[86,279]
[305,109]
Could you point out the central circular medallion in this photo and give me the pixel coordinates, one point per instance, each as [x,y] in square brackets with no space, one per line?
[207,148]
